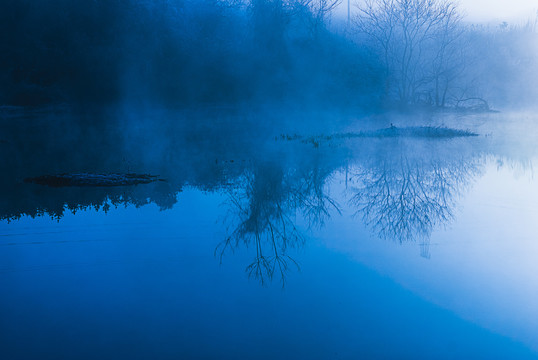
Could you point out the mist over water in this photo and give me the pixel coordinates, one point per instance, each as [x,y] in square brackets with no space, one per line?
[266,179]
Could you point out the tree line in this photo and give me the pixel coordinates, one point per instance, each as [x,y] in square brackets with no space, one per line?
[432,57]
[186,52]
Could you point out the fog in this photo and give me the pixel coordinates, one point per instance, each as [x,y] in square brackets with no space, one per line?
[268,179]
[479,11]
[484,11]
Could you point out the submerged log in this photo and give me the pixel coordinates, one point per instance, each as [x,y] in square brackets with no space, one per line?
[473,104]
[87,179]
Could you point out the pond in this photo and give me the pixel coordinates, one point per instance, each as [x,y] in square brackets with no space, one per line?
[268,239]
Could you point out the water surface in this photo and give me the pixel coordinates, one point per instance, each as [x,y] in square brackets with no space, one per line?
[260,245]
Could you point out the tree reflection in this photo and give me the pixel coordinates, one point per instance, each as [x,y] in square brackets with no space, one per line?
[405,198]
[264,209]
[38,200]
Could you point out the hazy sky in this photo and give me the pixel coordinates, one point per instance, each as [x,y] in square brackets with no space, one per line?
[481,10]
[484,10]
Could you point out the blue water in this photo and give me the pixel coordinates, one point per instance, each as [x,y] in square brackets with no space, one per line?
[453,277]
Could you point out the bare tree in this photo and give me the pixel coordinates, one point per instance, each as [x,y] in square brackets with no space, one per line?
[319,11]
[416,41]
[449,57]
[271,18]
